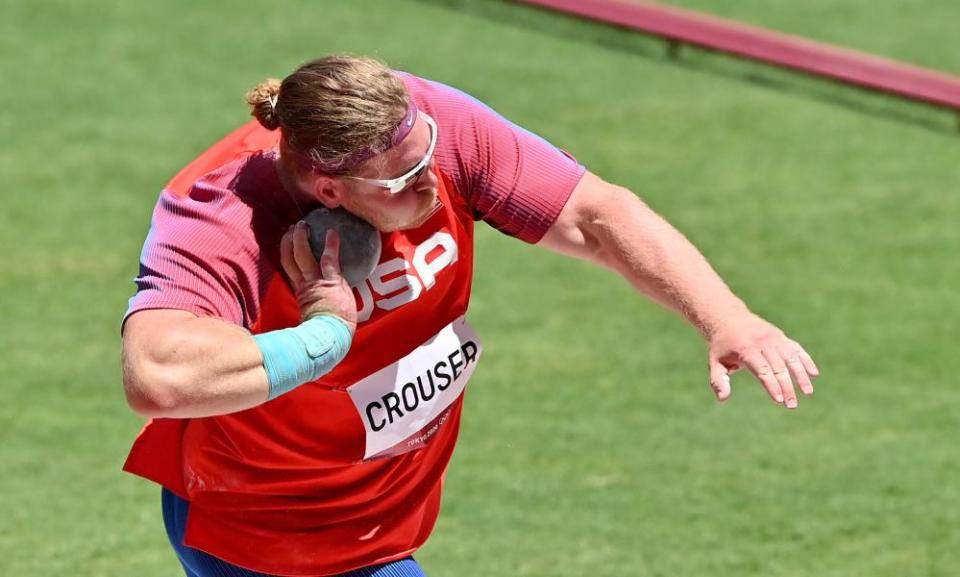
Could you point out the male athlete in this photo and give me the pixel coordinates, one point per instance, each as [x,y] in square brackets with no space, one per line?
[302,427]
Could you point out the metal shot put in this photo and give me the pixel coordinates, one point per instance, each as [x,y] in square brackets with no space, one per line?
[359,241]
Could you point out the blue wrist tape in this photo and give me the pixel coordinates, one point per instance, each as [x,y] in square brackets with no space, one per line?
[304,353]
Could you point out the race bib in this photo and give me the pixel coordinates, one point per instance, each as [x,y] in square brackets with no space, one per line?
[404,404]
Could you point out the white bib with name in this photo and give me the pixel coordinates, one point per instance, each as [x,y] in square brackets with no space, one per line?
[404,404]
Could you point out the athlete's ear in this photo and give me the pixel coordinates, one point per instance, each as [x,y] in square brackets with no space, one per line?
[328,190]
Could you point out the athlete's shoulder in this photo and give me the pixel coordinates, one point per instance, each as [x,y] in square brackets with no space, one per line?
[213,242]
[444,102]
[230,181]
[225,158]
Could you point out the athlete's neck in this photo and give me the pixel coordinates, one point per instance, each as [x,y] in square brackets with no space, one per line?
[301,198]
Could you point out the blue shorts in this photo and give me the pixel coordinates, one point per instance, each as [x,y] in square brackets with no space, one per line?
[196,563]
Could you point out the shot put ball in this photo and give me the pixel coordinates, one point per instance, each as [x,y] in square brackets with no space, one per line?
[359,241]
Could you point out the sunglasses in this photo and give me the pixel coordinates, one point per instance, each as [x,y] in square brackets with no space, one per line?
[398,184]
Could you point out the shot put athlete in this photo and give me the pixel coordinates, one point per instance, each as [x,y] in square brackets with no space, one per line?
[301,426]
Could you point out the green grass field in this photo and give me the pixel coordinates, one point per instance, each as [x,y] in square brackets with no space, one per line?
[585,451]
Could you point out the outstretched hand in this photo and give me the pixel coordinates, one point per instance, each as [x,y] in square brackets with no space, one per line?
[750,342]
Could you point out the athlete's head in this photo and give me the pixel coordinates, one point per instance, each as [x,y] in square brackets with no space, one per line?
[351,137]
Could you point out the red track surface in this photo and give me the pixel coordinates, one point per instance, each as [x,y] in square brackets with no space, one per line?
[686,27]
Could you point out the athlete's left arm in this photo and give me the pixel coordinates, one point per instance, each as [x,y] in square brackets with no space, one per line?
[609,225]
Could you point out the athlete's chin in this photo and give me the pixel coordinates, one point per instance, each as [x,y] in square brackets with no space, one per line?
[384,221]
[423,216]
[429,208]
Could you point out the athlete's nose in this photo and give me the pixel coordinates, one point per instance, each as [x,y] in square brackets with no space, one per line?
[428,179]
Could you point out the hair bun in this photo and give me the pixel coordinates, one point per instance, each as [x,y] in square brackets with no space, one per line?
[263,99]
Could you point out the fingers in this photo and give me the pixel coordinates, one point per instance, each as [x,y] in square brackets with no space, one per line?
[330,259]
[758,365]
[719,380]
[297,257]
[798,368]
[287,260]
[782,375]
[778,370]
[302,254]
[808,364]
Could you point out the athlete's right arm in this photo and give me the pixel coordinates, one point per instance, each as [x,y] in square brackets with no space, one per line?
[176,364]
[179,365]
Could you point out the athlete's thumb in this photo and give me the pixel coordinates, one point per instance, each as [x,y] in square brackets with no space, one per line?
[719,380]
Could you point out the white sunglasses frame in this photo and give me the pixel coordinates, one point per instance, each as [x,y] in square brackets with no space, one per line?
[398,184]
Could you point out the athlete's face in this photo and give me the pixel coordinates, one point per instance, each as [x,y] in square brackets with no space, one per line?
[388,211]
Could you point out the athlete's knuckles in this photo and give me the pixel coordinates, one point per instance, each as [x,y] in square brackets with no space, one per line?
[790,356]
[761,368]
[749,347]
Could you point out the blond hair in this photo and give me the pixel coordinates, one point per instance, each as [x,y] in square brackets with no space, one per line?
[331,107]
